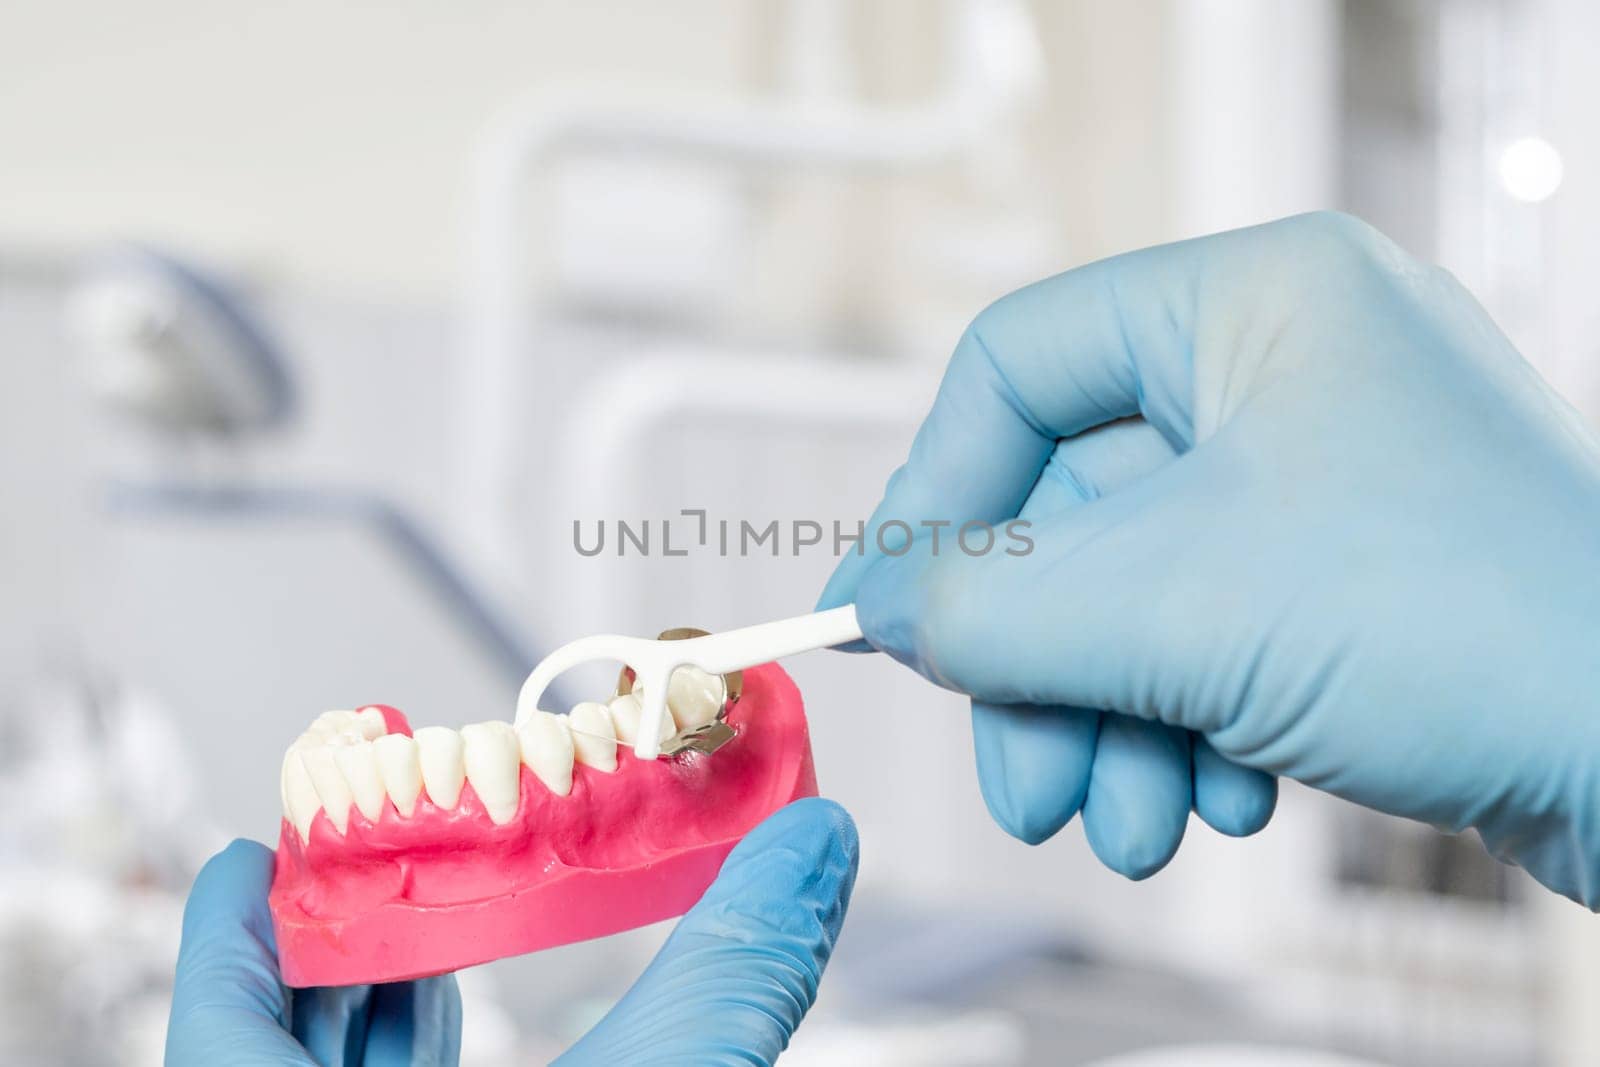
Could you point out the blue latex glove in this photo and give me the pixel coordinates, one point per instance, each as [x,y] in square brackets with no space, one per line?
[730,986]
[1299,509]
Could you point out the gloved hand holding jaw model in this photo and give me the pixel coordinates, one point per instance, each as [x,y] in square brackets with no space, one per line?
[1298,508]
[744,965]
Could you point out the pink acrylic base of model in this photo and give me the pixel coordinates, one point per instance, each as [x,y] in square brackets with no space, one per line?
[400,898]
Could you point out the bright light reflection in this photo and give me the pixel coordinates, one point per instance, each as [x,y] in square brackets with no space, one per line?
[1531,169]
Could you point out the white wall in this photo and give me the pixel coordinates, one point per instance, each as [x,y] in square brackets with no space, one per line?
[329,142]
[321,140]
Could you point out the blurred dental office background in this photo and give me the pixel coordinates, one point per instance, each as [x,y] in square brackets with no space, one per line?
[321,324]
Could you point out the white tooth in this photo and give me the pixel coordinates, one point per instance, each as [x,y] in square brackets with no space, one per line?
[695,697]
[299,795]
[439,754]
[493,760]
[593,737]
[333,721]
[547,749]
[359,765]
[314,736]
[400,770]
[371,724]
[626,711]
[330,785]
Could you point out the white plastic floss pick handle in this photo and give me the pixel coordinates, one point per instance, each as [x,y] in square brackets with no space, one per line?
[654,661]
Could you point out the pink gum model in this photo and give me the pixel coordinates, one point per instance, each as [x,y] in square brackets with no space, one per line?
[404,897]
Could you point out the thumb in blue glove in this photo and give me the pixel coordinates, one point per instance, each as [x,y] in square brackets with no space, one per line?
[741,970]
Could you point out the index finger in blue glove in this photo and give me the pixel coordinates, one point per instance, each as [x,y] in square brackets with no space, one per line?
[1043,364]
[228,1005]
[740,971]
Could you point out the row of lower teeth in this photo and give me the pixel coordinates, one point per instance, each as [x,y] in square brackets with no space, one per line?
[346,759]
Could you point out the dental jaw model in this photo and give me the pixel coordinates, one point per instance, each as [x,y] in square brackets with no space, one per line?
[407,853]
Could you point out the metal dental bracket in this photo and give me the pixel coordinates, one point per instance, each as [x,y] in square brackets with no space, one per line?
[702,739]
[708,737]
